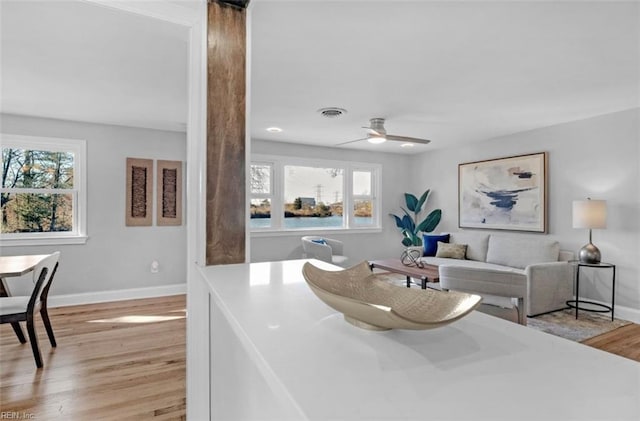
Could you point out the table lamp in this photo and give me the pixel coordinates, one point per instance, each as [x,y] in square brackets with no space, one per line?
[589,214]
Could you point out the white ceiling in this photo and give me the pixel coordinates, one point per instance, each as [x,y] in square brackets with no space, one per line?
[452,72]
[78,61]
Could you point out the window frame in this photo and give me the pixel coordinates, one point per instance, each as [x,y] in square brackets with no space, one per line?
[262,196]
[278,164]
[372,196]
[79,191]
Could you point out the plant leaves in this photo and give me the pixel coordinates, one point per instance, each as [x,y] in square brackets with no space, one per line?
[411,201]
[430,222]
[415,239]
[410,239]
[422,200]
[407,222]
[398,221]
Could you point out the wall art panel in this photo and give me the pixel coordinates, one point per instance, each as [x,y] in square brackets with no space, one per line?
[139,191]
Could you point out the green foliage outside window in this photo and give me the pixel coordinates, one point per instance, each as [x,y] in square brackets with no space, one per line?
[36,191]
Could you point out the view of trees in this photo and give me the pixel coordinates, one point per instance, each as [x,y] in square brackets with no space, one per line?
[30,181]
[260,208]
[362,208]
[298,208]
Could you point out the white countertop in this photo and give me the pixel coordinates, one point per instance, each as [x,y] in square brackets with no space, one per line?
[478,368]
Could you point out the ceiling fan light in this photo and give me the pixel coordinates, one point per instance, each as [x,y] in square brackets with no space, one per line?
[376,139]
[407,145]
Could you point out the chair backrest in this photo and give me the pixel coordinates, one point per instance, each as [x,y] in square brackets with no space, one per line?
[42,278]
[308,242]
[315,247]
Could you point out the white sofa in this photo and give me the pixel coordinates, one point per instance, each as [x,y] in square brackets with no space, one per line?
[491,258]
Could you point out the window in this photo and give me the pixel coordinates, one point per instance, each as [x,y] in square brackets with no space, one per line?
[313,197]
[363,198]
[43,197]
[261,192]
[297,194]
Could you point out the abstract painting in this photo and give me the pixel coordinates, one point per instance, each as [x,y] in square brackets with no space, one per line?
[139,192]
[169,193]
[504,193]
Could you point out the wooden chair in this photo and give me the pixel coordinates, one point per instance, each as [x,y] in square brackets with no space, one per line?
[23,308]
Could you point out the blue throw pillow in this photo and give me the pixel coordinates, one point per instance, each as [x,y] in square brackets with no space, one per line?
[430,243]
[321,241]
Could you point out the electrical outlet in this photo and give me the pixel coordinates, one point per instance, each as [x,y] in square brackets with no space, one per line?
[155,266]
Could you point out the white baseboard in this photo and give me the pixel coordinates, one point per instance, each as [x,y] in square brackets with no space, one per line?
[627,313]
[621,312]
[116,295]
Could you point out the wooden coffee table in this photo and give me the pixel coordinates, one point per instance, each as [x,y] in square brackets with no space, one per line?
[428,273]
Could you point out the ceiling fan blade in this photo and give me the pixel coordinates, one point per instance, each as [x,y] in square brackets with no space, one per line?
[352,141]
[373,131]
[408,139]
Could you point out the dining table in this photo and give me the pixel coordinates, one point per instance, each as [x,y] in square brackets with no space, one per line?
[14,266]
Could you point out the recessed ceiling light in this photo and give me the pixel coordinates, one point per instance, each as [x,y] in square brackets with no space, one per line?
[407,145]
[274,129]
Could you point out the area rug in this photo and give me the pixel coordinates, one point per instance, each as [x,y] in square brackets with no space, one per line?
[560,323]
[564,324]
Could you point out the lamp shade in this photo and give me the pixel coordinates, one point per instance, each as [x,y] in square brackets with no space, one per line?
[589,214]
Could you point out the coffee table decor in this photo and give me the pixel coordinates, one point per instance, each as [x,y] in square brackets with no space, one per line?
[411,257]
[371,303]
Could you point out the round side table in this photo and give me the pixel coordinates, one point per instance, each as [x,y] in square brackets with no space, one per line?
[601,308]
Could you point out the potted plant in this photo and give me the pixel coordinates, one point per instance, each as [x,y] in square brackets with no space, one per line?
[410,224]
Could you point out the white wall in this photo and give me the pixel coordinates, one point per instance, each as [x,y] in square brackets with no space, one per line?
[115,257]
[598,158]
[358,246]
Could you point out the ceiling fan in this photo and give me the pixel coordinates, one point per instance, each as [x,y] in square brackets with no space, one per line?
[378,134]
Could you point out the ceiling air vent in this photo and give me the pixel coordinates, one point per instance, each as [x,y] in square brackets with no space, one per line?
[332,112]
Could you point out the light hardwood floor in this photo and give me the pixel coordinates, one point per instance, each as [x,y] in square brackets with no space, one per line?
[126,360]
[114,361]
[624,341]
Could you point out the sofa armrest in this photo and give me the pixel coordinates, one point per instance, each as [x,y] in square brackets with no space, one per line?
[550,286]
[485,281]
[565,255]
[502,283]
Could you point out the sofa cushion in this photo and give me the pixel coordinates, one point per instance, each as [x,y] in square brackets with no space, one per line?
[454,251]
[520,252]
[477,244]
[431,243]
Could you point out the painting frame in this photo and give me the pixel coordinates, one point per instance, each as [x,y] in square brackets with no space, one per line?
[139,192]
[508,193]
[169,193]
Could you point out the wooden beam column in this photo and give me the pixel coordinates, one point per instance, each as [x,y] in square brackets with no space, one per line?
[226,137]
